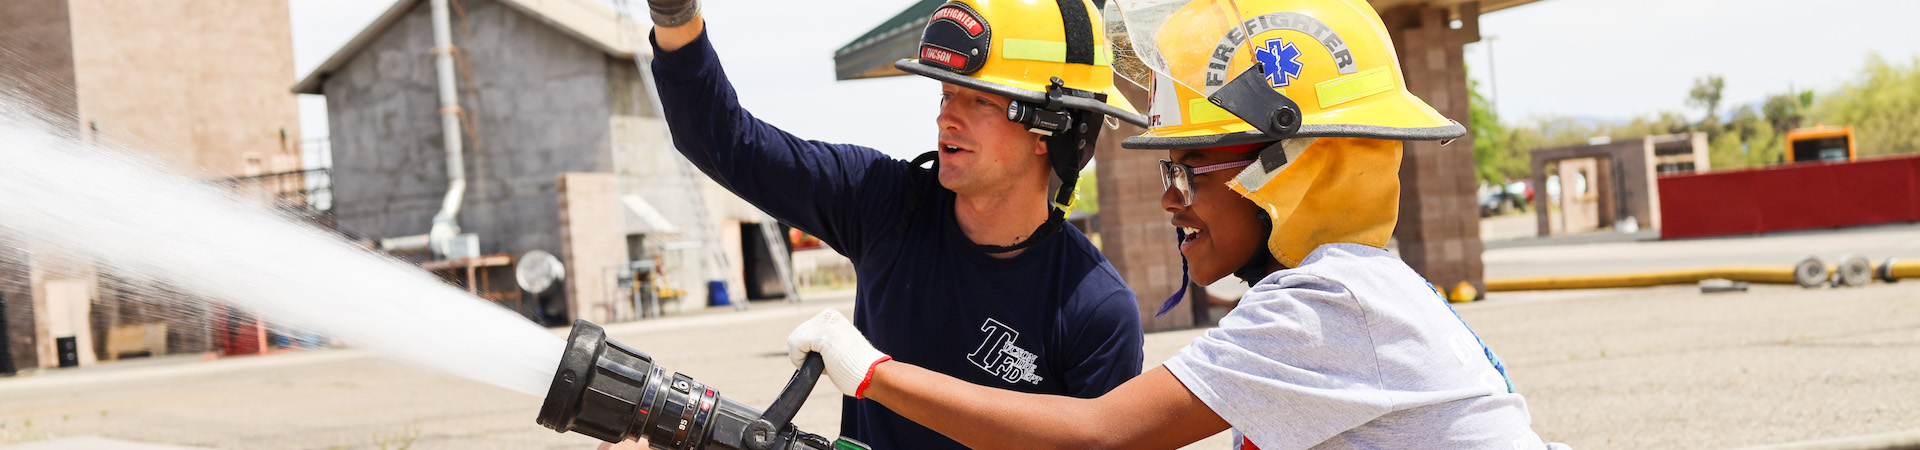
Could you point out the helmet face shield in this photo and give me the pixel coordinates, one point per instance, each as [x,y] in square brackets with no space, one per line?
[1163,38]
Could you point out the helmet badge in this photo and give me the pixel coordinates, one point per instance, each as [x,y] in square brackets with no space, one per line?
[1281,61]
[956,39]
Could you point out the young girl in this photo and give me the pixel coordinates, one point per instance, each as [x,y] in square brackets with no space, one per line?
[1338,344]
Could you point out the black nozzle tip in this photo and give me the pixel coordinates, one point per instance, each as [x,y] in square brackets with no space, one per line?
[562,404]
[597,388]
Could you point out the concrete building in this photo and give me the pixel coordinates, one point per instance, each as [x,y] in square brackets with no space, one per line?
[1603,183]
[1438,232]
[200,84]
[565,153]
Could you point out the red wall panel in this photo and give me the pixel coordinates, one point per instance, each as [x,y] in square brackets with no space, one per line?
[1791,197]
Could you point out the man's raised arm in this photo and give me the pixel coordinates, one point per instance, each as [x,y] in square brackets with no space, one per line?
[844,194]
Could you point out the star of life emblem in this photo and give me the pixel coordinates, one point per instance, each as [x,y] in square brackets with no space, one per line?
[1281,60]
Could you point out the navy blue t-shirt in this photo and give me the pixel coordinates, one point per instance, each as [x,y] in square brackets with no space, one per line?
[1055,319]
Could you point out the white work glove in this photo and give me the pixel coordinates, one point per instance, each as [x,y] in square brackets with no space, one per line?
[849,358]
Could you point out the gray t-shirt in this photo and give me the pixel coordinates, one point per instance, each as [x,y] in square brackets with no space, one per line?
[1353,350]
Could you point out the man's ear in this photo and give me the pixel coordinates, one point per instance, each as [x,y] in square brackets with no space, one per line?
[1039,144]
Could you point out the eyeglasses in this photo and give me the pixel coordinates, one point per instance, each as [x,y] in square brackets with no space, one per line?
[1179,177]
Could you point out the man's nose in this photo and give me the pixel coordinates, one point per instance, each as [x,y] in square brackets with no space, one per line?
[949,118]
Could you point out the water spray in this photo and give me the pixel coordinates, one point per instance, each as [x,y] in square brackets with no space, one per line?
[612,392]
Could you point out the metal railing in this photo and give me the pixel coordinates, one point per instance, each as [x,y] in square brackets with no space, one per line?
[304,193]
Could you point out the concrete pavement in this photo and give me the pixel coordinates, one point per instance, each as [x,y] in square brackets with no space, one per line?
[1672,368]
[1655,367]
[350,399]
[1605,252]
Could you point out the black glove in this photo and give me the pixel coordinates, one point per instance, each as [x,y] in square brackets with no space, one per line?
[673,13]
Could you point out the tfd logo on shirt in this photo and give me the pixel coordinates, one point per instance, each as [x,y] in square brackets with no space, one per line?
[1000,357]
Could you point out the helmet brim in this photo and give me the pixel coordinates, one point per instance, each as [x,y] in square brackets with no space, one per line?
[1440,133]
[1406,118]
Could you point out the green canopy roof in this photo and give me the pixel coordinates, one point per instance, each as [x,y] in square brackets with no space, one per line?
[872,54]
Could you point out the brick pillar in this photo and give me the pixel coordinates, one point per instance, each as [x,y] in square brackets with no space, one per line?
[1439,227]
[1135,233]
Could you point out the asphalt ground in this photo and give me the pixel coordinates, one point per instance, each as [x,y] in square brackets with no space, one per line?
[1635,368]
[1608,252]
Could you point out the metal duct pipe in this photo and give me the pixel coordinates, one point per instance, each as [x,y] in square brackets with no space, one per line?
[444,225]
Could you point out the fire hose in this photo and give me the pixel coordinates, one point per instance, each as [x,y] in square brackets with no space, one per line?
[1809,273]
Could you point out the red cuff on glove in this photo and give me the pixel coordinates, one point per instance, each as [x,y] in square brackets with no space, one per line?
[862,391]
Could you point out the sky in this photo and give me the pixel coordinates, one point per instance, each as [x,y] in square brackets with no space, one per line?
[1619,59]
[1593,59]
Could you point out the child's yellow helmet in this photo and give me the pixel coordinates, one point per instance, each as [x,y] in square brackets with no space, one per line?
[1331,58]
[1317,79]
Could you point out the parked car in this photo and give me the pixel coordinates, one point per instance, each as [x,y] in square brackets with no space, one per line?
[1505,199]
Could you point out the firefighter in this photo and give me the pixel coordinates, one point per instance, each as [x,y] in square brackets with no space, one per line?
[969,268]
[1283,122]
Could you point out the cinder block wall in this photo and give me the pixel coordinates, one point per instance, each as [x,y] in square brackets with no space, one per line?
[202,83]
[1136,233]
[36,60]
[198,84]
[36,55]
[539,106]
[1439,227]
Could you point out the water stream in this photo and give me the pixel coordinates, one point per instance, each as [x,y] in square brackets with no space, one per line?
[129,214]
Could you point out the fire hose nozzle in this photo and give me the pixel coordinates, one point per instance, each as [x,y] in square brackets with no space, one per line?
[597,389]
[613,393]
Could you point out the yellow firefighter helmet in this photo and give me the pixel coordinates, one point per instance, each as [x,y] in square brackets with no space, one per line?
[1331,58]
[1316,79]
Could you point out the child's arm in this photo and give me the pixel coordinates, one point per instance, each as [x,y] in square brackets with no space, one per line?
[1153,410]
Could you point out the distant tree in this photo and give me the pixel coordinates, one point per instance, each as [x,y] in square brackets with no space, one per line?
[1565,131]
[1706,94]
[1726,151]
[1495,161]
[1525,140]
[1763,144]
[1882,104]
[1786,110]
[1745,123]
[1673,122]
[1089,186]
[1747,140]
[1667,122]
